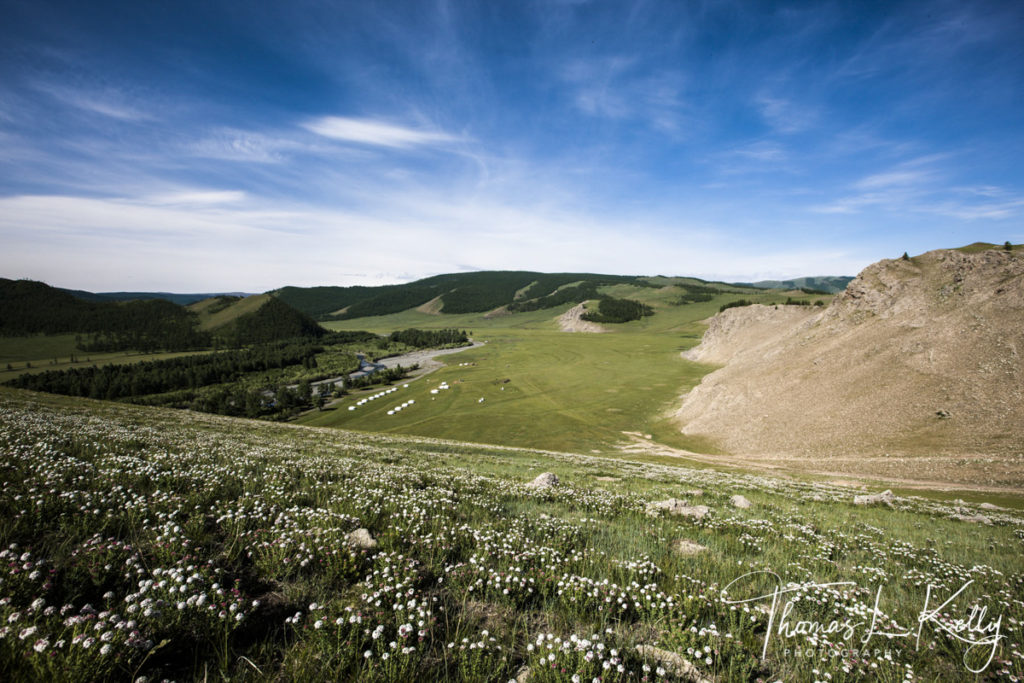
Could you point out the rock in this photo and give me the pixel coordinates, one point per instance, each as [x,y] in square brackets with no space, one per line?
[687,548]
[942,414]
[989,506]
[676,507]
[974,519]
[695,492]
[739,501]
[673,663]
[523,674]
[885,497]
[361,538]
[544,481]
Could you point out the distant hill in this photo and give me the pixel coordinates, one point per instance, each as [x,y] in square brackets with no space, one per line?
[477,292]
[830,284]
[28,307]
[180,299]
[918,356]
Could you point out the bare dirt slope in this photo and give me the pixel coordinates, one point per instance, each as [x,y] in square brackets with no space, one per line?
[915,369]
[572,321]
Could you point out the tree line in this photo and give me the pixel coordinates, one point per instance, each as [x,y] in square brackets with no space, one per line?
[112,382]
[422,339]
[611,310]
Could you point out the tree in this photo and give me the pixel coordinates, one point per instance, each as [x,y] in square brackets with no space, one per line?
[305,392]
[1008,246]
[905,257]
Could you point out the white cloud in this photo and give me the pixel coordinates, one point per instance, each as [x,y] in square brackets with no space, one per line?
[893,178]
[202,197]
[225,241]
[370,132]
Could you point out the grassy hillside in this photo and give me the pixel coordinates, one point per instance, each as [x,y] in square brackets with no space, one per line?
[218,312]
[985,246]
[222,548]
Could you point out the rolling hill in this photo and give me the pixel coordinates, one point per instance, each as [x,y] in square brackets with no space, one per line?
[260,318]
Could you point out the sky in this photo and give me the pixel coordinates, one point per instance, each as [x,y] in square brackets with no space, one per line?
[244,146]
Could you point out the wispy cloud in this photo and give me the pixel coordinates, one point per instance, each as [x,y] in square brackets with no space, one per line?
[921,186]
[198,197]
[105,101]
[620,87]
[785,115]
[245,146]
[377,133]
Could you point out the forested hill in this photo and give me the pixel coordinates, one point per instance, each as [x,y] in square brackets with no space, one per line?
[274,320]
[454,293]
[28,308]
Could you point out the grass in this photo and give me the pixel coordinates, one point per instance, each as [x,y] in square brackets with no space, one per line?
[576,392]
[224,542]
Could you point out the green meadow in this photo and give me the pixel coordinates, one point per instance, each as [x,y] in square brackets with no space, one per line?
[544,388]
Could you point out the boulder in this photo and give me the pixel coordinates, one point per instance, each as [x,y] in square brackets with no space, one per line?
[361,538]
[687,548]
[989,506]
[673,663]
[544,481]
[885,497]
[676,507]
[739,501]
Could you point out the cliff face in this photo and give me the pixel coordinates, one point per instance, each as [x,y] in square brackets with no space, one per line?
[918,357]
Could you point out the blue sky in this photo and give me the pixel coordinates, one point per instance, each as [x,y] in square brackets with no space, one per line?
[223,146]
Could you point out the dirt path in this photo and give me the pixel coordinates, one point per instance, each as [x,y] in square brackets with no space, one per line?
[859,470]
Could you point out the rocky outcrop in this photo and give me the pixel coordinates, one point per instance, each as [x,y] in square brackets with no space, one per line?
[919,357]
